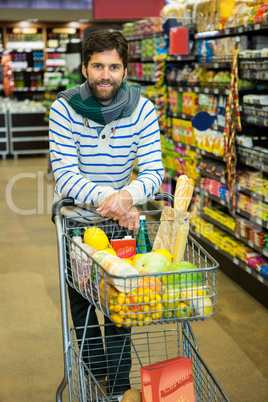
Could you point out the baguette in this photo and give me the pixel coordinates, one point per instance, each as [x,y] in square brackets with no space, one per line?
[183,193]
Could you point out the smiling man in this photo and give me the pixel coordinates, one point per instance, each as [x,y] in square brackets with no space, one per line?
[97,130]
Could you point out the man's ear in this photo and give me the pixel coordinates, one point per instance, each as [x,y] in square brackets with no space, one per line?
[84,70]
[125,73]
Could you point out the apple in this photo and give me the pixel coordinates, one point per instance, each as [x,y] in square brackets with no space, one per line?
[170,300]
[151,262]
[183,311]
[181,280]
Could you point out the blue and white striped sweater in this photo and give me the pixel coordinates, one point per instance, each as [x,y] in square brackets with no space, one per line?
[88,167]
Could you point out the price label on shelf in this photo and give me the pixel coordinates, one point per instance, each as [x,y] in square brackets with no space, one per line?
[237,235]
[251,244]
[188,147]
[260,278]
[196,89]
[203,152]
[248,269]
[240,29]
[206,90]
[222,202]
[259,221]
[235,261]
[206,193]
[216,247]
[265,253]
[197,235]
[216,91]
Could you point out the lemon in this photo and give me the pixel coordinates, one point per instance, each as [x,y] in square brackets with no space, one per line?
[96,238]
[136,257]
[110,250]
[128,260]
[164,253]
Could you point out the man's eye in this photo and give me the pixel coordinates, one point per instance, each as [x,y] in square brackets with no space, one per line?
[114,67]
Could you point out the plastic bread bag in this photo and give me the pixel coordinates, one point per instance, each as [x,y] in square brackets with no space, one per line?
[118,268]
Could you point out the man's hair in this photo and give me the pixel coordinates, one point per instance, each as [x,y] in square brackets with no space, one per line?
[102,40]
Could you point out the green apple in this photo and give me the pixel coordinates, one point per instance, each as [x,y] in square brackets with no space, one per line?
[180,279]
[183,311]
[170,300]
[151,262]
[167,315]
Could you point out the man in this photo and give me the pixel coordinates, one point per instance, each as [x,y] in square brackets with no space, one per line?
[97,130]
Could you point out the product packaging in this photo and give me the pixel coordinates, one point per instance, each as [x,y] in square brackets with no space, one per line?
[168,381]
[124,248]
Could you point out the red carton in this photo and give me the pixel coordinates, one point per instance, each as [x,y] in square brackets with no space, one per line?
[124,248]
[168,381]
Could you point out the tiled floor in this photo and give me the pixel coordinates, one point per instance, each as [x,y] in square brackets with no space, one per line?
[233,342]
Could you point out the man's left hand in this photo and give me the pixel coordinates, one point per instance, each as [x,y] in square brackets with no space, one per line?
[117,205]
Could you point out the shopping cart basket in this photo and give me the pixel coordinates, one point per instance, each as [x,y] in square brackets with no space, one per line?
[186,296]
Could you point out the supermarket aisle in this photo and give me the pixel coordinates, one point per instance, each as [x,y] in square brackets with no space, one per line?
[233,343]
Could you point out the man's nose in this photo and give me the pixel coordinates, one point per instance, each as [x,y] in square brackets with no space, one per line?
[105,74]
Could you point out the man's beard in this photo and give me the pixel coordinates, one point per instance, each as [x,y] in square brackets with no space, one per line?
[104,95]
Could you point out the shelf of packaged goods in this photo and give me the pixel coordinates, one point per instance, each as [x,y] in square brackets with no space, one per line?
[258,121]
[144,36]
[28,69]
[252,193]
[231,31]
[199,151]
[189,117]
[214,198]
[260,164]
[196,89]
[255,110]
[181,57]
[214,64]
[243,265]
[234,234]
[211,176]
[26,89]
[140,79]
[252,218]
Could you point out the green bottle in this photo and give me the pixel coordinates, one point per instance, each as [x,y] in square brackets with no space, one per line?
[143,241]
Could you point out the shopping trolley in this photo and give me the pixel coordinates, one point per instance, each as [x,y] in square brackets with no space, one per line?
[157,306]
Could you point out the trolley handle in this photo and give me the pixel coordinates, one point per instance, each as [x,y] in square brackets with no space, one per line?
[165,197]
[56,207]
[69,202]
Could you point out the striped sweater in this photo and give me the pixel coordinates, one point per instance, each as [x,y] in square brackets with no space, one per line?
[89,167]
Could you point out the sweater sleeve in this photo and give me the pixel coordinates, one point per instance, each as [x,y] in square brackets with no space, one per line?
[151,171]
[64,160]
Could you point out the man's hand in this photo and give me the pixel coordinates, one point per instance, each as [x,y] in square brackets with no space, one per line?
[131,220]
[116,206]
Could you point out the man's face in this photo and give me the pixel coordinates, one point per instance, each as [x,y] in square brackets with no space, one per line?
[105,73]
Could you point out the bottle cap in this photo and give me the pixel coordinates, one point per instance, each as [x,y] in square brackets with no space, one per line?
[142,217]
[76,232]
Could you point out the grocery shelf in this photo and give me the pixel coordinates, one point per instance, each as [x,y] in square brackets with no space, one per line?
[181,57]
[252,218]
[241,264]
[214,198]
[231,31]
[141,79]
[197,89]
[252,193]
[211,176]
[216,64]
[144,36]
[237,235]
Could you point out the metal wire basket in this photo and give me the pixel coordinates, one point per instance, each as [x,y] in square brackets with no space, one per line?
[147,347]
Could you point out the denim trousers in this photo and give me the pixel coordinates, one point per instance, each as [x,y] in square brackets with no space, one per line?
[111,359]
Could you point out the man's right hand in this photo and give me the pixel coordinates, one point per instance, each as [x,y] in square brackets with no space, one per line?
[131,220]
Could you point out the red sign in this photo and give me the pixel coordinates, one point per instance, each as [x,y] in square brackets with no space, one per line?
[122,9]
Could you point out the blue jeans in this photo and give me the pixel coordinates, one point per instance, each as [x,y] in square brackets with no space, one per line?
[115,361]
